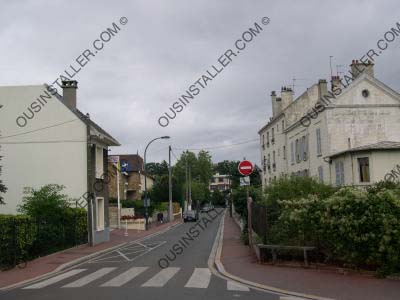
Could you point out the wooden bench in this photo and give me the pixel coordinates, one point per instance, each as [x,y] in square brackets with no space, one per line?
[274,249]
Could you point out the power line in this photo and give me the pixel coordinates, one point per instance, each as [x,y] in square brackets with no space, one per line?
[42,142]
[220,146]
[39,129]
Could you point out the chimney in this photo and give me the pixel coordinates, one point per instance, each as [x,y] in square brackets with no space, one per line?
[322,88]
[69,92]
[276,104]
[287,96]
[358,67]
[335,83]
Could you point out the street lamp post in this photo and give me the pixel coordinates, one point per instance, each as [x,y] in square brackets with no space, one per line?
[145,180]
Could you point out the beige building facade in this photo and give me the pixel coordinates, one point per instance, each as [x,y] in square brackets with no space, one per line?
[348,134]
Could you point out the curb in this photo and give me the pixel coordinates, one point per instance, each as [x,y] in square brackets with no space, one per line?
[215,260]
[83,259]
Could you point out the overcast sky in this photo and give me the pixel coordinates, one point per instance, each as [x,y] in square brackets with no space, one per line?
[167,45]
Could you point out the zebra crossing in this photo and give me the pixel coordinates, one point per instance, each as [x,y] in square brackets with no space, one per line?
[200,279]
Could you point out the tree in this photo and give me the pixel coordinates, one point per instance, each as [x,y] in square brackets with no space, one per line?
[230,168]
[45,203]
[3,188]
[157,169]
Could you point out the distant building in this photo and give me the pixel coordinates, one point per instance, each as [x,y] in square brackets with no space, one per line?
[220,183]
[131,177]
[350,136]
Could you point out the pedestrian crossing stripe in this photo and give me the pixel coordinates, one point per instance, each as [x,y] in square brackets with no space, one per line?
[125,277]
[199,279]
[235,286]
[55,279]
[89,278]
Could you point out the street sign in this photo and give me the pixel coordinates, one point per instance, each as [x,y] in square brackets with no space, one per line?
[244,181]
[146,202]
[113,159]
[245,167]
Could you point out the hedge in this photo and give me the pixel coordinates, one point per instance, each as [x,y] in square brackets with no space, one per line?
[28,238]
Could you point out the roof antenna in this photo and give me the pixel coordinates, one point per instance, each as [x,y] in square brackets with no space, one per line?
[330,64]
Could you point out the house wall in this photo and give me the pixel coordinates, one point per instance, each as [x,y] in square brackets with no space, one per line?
[381,162]
[34,157]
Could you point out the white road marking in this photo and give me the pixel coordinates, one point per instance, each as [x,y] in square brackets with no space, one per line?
[199,279]
[161,278]
[234,286]
[290,298]
[89,278]
[54,279]
[125,277]
[123,255]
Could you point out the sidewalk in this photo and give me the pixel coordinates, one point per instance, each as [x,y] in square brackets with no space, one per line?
[49,263]
[239,261]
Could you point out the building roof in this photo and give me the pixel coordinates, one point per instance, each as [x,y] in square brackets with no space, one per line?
[106,137]
[383,145]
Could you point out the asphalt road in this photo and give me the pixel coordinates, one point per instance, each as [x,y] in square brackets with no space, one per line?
[172,265]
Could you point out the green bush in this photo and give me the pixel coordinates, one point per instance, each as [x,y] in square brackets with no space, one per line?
[355,227]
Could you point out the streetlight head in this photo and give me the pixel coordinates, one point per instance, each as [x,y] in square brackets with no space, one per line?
[165,137]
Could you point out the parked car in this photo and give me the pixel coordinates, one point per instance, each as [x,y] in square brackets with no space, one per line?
[207,208]
[190,216]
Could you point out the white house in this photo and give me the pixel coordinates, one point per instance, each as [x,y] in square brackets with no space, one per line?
[45,139]
[346,136]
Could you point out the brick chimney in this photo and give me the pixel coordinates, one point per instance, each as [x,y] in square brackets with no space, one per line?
[69,92]
[358,67]
[335,83]
[287,96]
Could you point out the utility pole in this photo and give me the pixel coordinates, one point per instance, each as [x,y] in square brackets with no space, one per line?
[170,210]
[186,183]
[190,188]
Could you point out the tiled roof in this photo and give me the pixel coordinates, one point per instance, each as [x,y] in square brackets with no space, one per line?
[383,145]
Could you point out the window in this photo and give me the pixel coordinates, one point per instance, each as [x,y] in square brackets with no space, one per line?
[100,213]
[304,142]
[220,179]
[319,149]
[363,167]
[297,151]
[263,142]
[267,138]
[277,127]
[284,152]
[321,174]
[272,136]
[99,162]
[339,169]
[292,152]
[283,125]
[273,160]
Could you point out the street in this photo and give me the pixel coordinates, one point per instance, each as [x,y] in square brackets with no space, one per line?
[133,271]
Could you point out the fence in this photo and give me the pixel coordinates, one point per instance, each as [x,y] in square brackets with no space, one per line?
[259,220]
[22,238]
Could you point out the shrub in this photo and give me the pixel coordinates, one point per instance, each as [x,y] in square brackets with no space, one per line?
[355,227]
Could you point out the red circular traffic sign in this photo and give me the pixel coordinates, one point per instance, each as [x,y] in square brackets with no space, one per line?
[245,167]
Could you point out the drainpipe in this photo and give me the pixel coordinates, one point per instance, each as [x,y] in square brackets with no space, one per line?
[89,182]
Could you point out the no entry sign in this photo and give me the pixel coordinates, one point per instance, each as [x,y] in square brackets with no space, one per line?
[245,167]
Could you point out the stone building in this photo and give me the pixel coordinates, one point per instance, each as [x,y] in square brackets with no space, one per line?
[220,182]
[346,135]
[131,183]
